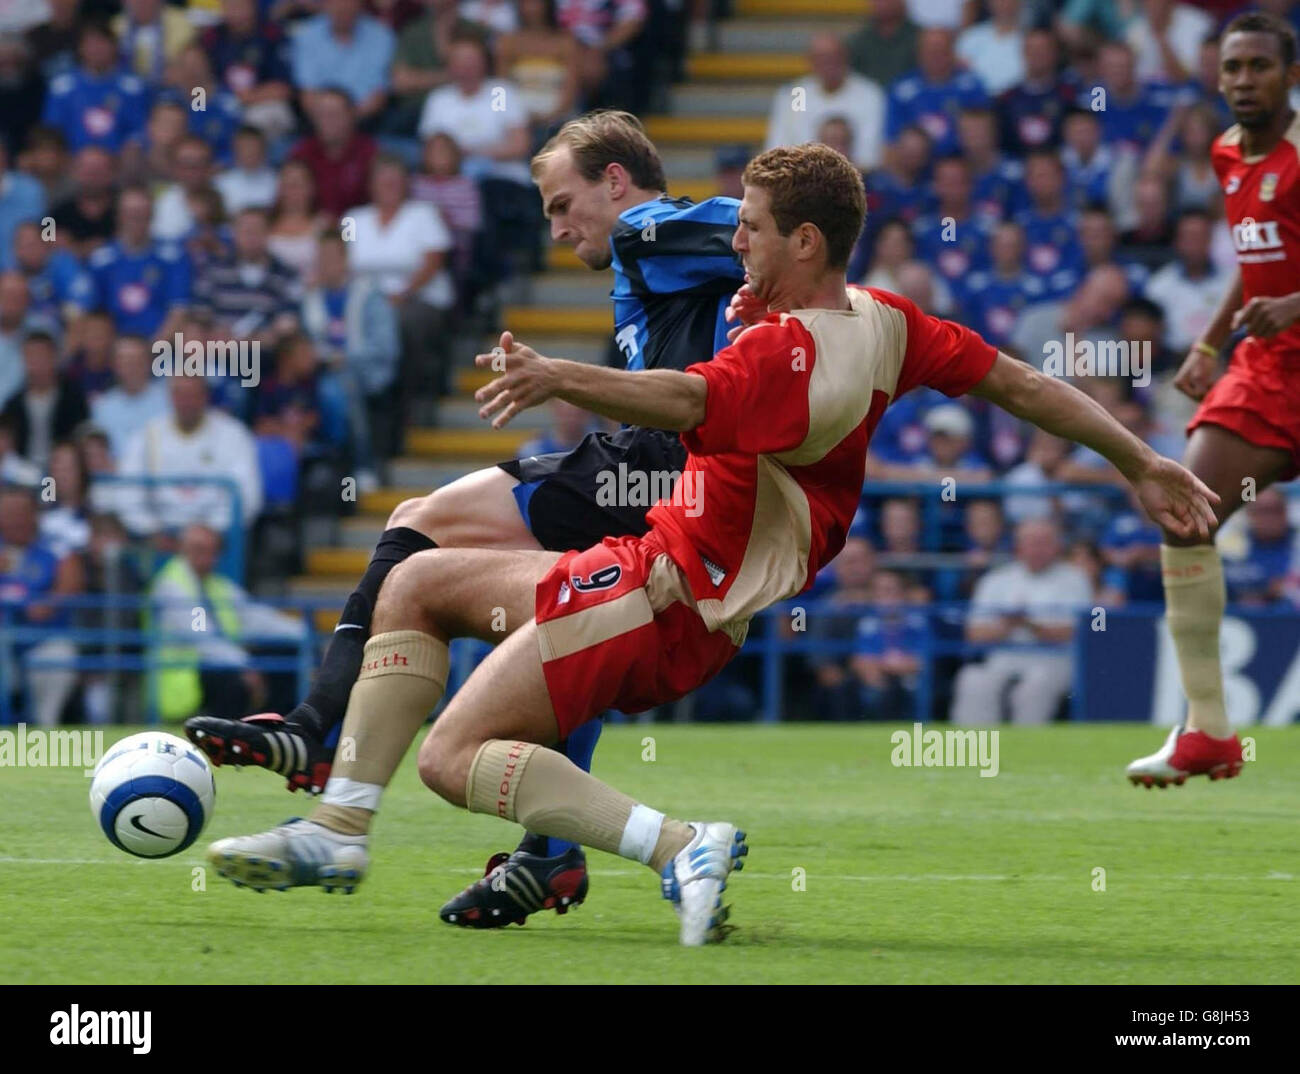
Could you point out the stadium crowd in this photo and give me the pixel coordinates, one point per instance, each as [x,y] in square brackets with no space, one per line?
[340,191]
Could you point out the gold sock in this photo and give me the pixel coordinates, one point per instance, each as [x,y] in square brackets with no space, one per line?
[1194,601]
[403,674]
[547,793]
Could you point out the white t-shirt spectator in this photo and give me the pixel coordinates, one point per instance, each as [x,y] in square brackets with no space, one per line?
[1189,304]
[1048,597]
[927,13]
[242,190]
[499,16]
[995,58]
[479,122]
[858,100]
[389,256]
[1187,29]
[172,218]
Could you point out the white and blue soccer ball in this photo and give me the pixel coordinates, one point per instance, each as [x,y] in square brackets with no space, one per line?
[152,794]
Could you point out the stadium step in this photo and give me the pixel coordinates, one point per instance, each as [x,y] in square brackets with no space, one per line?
[383,501]
[746,67]
[461,412]
[484,443]
[340,562]
[707,130]
[853,10]
[726,98]
[779,35]
[529,321]
[559,289]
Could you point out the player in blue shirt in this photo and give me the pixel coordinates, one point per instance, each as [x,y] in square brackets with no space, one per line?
[141,282]
[96,103]
[602,187]
[934,94]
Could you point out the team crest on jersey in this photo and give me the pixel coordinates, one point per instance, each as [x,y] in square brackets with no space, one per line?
[1268,187]
[1232,185]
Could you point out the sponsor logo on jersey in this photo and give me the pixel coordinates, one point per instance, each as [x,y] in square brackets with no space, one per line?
[1232,185]
[1257,240]
[1268,187]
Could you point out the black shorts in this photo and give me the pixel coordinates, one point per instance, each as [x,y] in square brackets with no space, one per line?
[565,497]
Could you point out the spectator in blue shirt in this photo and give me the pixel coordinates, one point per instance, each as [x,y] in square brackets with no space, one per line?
[1131,113]
[249,58]
[1130,551]
[136,398]
[890,650]
[994,298]
[933,95]
[344,48]
[1052,249]
[143,283]
[953,240]
[97,104]
[997,181]
[221,115]
[1099,240]
[1030,114]
[61,289]
[1258,576]
[21,199]
[898,191]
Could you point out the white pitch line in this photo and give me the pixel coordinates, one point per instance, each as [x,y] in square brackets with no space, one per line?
[903,878]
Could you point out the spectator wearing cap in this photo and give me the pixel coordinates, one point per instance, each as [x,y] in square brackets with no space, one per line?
[336,153]
[96,103]
[49,406]
[933,95]
[33,576]
[1034,599]
[342,47]
[994,49]
[832,89]
[87,217]
[1189,288]
[884,48]
[137,397]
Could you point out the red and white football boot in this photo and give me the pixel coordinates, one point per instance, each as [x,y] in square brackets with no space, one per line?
[1187,753]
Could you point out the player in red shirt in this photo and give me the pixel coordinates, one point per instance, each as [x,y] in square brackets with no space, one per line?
[776,427]
[1246,433]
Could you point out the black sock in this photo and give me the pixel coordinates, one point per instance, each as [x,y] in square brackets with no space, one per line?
[327,702]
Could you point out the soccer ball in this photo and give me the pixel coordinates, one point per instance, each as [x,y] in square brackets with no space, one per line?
[152,794]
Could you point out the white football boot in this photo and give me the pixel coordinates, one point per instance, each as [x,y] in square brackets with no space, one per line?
[299,853]
[696,878]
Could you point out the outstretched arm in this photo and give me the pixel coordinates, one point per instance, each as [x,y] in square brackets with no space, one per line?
[655,398]
[1175,499]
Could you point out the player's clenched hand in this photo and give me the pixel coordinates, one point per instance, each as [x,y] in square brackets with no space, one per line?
[1176,499]
[526,380]
[1267,316]
[746,308]
[1197,373]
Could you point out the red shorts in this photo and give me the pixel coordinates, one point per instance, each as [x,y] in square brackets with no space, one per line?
[1258,398]
[617,628]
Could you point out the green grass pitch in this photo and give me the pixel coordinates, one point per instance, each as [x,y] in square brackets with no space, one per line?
[908,874]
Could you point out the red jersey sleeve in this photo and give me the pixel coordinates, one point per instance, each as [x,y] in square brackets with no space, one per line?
[940,354]
[757,399]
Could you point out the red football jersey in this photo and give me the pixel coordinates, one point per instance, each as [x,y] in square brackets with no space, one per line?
[774,473]
[1262,203]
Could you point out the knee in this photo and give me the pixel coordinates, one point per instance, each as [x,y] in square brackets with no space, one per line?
[402,603]
[418,513]
[442,769]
